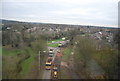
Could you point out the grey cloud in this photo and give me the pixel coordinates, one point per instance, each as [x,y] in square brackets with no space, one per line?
[101,12]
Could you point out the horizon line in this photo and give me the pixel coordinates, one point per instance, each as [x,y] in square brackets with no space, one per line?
[56,23]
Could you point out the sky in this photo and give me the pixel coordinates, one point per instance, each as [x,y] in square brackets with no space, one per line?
[77,12]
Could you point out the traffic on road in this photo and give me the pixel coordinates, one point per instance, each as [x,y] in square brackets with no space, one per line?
[53,61]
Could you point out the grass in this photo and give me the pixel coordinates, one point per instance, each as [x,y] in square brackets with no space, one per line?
[55,40]
[53,45]
[25,65]
[65,73]
[12,52]
[0,51]
[66,54]
[9,69]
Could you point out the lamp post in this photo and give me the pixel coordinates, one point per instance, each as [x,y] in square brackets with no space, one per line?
[39,56]
[39,59]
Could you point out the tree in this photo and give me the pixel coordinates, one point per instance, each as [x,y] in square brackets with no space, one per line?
[116,38]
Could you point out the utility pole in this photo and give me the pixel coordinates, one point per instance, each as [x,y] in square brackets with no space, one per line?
[39,60]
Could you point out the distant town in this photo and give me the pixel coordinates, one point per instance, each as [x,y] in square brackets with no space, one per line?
[59,51]
[96,32]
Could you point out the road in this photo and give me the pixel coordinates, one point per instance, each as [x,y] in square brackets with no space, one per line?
[57,61]
[47,73]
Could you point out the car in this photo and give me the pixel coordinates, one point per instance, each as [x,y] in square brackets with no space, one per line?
[55,68]
[51,50]
[55,74]
[51,54]
[58,50]
[60,45]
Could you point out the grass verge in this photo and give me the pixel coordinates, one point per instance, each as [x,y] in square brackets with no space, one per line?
[25,65]
[65,73]
[66,54]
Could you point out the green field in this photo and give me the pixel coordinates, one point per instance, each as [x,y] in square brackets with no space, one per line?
[53,45]
[55,40]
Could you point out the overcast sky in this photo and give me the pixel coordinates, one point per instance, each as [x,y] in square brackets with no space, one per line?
[82,12]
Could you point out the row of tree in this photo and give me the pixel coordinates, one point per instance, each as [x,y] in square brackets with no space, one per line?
[86,50]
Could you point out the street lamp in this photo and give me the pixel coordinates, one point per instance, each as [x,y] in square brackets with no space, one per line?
[39,59]
[39,56]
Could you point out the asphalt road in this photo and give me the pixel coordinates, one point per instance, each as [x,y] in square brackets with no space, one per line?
[57,62]
[47,73]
